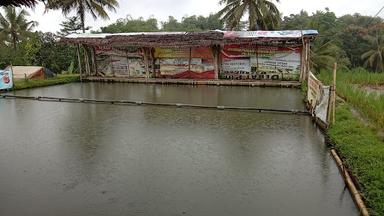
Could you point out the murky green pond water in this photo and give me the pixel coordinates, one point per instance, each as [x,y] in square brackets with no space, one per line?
[87,159]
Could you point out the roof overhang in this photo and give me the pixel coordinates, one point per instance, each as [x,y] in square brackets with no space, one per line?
[188,39]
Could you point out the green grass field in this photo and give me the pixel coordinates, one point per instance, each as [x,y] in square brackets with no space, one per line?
[349,88]
[60,79]
[363,153]
[358,144]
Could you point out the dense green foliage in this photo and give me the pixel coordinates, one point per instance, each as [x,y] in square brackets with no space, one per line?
[60,79]
[363,153]
[21,46]
[188,23]
[349,87]
[342,39]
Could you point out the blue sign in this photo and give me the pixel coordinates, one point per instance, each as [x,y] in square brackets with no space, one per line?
[6,79]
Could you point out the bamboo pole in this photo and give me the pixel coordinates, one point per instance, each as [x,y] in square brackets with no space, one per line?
[334,94]
[216,60]
[86,61]
[79,60]
[307,52]
[351,186]
[94,62]
[190,59]
[146,62]
[302,80]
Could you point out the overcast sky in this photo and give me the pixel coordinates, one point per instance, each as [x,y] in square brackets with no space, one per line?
[161,9]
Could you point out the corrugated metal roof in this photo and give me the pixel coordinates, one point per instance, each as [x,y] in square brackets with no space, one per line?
[227,34]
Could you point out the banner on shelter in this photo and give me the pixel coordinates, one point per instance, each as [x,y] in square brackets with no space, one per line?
[318,98]
[197,68]
[276,63]
[6,79]
[120,62]
[196,52]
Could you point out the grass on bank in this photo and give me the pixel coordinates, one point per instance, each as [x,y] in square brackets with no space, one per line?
[372,104]
[60,79]
[363,153]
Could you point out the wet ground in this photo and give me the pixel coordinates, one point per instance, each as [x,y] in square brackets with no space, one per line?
[88,159]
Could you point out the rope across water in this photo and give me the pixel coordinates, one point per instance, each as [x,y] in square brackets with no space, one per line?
[137,103]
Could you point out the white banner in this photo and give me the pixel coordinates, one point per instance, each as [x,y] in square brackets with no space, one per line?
[236,65]
[318,98]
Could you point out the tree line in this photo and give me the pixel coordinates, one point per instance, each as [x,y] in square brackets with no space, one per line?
[351,40]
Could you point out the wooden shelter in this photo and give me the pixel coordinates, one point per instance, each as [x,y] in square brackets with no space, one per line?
[254,55]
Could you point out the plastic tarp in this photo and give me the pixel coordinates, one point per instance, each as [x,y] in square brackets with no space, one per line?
[318,98]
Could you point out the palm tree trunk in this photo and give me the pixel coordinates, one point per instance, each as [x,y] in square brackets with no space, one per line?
[82,22]
[81,13]
[14,42]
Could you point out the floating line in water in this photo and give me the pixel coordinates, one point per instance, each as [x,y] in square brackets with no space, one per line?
[138,103]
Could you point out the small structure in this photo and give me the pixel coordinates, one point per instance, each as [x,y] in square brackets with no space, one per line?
[27,72]
[212,55]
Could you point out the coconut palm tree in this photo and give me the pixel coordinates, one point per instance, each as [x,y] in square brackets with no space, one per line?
[262,14]
[95,7]
[374,58]
[14,26]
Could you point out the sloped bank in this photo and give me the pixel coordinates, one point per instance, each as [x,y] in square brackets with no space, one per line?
[363,154]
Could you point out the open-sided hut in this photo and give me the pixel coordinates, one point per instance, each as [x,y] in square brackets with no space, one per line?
[255,55]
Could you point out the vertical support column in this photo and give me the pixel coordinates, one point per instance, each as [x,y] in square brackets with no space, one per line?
[331,115]
[79,61]
[146,61]
[190,59]
[216,60]
[93,61]
[86,61]
[302,64]
[307,51]
[153,61]
[334,94]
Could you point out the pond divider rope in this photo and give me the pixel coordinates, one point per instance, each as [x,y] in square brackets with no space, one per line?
[139,103]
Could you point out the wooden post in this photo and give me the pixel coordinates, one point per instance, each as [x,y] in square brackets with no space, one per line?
[128,70]
[189,59]
[93,60]
[334,94]
[153,61]
[302,79]
[216,60]
[307,51]
[79,59]
[146,62]
[86,59]
[331,117]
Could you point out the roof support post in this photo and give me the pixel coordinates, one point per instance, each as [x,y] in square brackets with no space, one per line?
[216,60]
[86,61]
[79,61]
[146,54]
[93,61]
